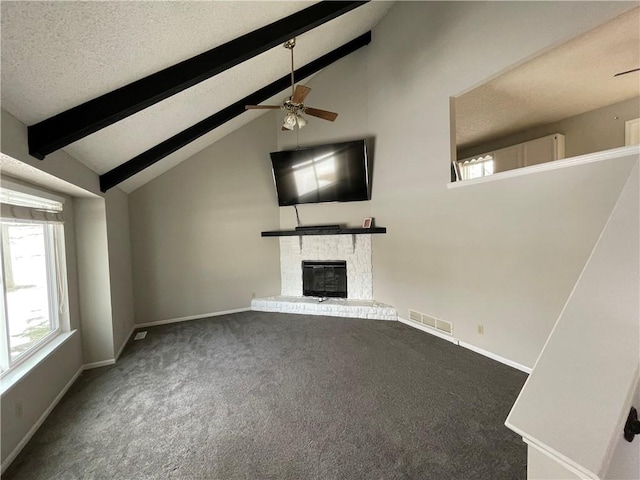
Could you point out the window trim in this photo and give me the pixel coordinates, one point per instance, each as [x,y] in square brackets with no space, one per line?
[54,239]
[480,160]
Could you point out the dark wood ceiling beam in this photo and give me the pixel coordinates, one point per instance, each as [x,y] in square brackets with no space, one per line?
[157,153]
[78,122]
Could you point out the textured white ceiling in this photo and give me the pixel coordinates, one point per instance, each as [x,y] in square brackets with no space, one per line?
[568,80]
[56,55]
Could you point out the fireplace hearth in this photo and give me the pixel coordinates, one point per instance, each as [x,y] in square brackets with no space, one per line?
[324,278]
[354,254]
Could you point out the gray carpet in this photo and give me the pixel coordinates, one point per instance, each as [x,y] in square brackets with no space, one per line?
[274,396]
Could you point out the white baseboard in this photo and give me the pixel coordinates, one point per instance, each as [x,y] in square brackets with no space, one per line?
[191,317]
[124,344]
[495,357]
[430,330]
[466,345]
[101,363]
[11,457]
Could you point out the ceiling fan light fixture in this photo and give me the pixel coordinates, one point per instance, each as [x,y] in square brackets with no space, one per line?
[301,121]
[294,105]
[289,121]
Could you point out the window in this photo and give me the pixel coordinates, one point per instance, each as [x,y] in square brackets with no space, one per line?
[32,273]
[476,167]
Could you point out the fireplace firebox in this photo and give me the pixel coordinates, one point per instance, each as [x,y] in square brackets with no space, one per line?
[324,278]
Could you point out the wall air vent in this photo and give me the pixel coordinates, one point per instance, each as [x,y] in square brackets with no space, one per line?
[444,326]
[432,322]
[429,321]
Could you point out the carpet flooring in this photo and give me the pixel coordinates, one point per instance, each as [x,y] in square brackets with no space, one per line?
[274,396]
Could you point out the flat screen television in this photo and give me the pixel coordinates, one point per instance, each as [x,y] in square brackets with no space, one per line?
[336,172]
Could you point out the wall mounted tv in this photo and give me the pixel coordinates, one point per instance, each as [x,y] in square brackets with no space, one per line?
[336,172]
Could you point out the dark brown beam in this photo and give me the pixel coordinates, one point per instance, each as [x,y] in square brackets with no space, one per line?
[153,155]
[78,122]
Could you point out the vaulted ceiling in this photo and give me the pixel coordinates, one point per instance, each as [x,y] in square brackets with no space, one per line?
[59,55]
[569,79]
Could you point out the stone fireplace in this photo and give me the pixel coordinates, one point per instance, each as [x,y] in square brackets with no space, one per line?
[354,250]
[351,250]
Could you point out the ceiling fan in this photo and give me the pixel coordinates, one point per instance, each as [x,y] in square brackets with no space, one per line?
[628,71]
[294,105]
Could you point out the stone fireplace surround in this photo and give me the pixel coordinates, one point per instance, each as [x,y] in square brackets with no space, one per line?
[355,250]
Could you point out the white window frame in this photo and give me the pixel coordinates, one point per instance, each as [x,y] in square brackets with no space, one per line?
[56,268]
[465,166]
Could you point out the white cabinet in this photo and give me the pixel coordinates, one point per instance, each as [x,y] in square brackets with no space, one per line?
[541,150]
[507,158]
[632,132]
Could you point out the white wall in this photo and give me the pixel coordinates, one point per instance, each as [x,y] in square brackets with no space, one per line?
[195,230]
[504,254]
[541,467]
[625,461]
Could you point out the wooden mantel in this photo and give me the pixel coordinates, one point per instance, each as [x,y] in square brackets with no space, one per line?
[325,231]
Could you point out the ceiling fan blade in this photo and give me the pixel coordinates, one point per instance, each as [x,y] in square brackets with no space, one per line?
[323,114]
[628,71]
[260,107]
[300,94]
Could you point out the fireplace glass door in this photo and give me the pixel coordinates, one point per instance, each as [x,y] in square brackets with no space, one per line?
[324,278]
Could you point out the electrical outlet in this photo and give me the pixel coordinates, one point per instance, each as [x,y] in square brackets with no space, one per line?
[19,410]
[253,294]
[481,329]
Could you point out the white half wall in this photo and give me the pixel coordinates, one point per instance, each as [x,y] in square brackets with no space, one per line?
[576,400]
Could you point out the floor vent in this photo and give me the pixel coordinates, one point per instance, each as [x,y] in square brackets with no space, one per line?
[140,335]
[415,316]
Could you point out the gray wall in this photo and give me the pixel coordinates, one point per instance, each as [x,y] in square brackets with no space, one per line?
[593,131]
[93,277]
[36,392]
[505,254]
[351,124]
[195,230]
[121,276]
[117,287]
[94,342]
